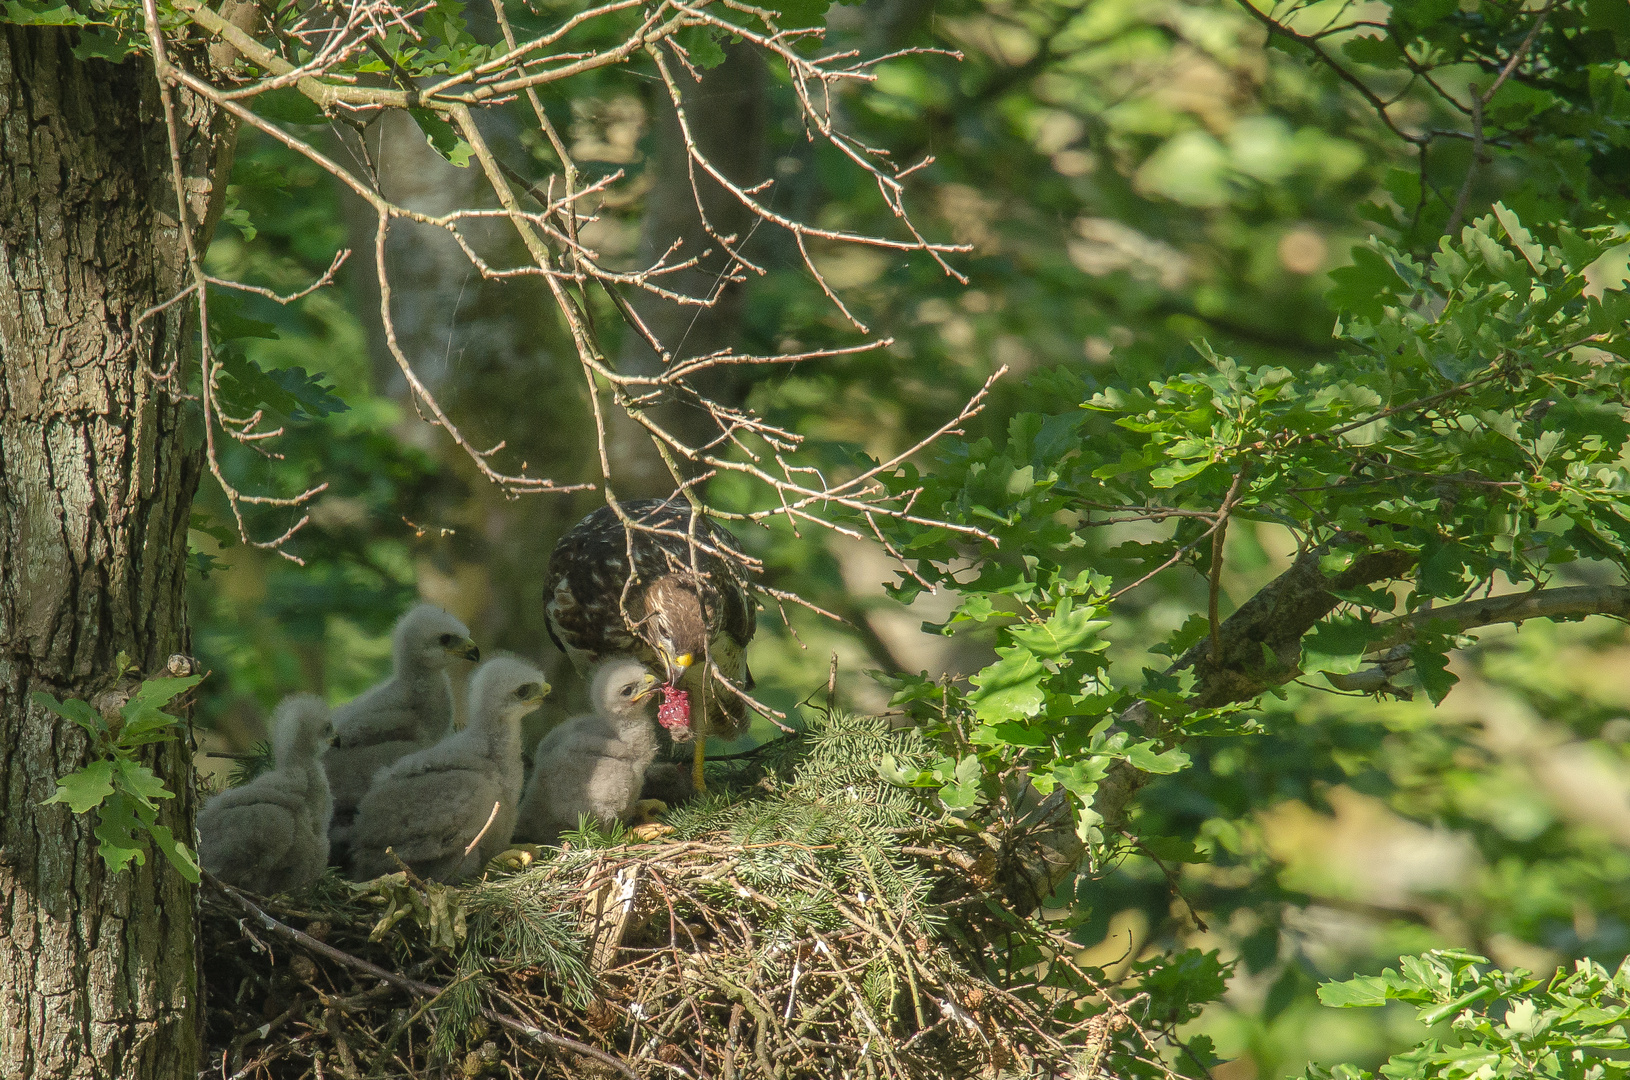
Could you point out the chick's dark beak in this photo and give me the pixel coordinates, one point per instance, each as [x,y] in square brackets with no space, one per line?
[465,648]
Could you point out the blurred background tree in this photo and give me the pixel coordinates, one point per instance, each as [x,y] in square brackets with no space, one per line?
[1134,176]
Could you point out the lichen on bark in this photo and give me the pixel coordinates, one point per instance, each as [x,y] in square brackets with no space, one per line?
[99,458]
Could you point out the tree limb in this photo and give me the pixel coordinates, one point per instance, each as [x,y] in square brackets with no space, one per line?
[1570,603]
[1272,622]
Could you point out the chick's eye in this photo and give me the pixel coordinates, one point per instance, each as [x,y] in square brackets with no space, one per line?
[628,691]
[446,639]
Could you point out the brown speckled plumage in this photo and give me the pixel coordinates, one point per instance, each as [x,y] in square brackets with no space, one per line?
[708,606]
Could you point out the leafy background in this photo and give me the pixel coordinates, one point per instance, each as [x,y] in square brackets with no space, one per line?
[1135,176]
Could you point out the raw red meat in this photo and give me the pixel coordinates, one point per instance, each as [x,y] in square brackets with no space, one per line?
[674,712]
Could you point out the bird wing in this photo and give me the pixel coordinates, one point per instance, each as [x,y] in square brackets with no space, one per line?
[428,815]
[563,766]
[589,568]
[351,769]
[395,710]
[245,834]
[587,571]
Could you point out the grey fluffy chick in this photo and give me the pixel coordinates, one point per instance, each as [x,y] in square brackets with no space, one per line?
[407,712]
[595,764]
[432,805]
[271,834]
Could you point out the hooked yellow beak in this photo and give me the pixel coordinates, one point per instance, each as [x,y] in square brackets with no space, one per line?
[675,665]
[466,648]
[537,698]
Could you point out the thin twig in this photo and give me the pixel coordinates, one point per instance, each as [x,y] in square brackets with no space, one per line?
[410,986]
[492,817]
[1218,534]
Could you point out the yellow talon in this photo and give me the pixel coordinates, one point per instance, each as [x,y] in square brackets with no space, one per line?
[651,830]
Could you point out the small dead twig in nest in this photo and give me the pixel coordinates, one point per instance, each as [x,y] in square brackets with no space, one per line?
[412,986]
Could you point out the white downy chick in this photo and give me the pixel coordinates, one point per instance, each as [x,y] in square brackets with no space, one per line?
[432,805]
[271,834]
[594,764]
[407,712]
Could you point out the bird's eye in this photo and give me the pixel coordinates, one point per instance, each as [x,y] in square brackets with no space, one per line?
[628,691]
[446,639]
[527,690]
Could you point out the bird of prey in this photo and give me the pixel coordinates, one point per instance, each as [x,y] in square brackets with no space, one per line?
[594,764]
[682,612]
[271,834]
[445,810]
[407,712]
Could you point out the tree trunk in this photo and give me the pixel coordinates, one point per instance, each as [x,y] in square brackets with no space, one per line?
[99,458]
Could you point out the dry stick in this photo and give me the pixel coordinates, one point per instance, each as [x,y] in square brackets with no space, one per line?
[492,817]
[167,76]
[594,364]
[348,1063]
[567,163]
[385,210]
[1479,102]
[1172,880]
[411,986]
[509,484]
[1471,169]
[155,310]
[774,716]
[1217,536]
[326,279]
[1313,45]
[234,1050]
[762,211]
[1176,556]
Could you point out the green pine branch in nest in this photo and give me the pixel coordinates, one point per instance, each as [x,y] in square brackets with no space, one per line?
[813,920]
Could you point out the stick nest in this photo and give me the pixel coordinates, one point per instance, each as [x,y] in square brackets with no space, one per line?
[808,919]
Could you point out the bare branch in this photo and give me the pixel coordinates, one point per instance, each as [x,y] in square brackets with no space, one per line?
[741,441]
[258,290]
[1574,602]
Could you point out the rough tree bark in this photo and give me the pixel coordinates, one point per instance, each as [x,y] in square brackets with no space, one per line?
[99,459]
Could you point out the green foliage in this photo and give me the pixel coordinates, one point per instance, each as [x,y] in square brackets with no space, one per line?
[121,789]
[442,137]
[1132,174]
[1476,423]
[1502,1023]
[243,387]
[253,762]
[1556,131]
[260,619]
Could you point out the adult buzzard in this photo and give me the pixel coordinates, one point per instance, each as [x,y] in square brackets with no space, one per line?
[679,609]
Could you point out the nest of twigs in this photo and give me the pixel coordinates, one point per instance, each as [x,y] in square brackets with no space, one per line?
[813,920]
